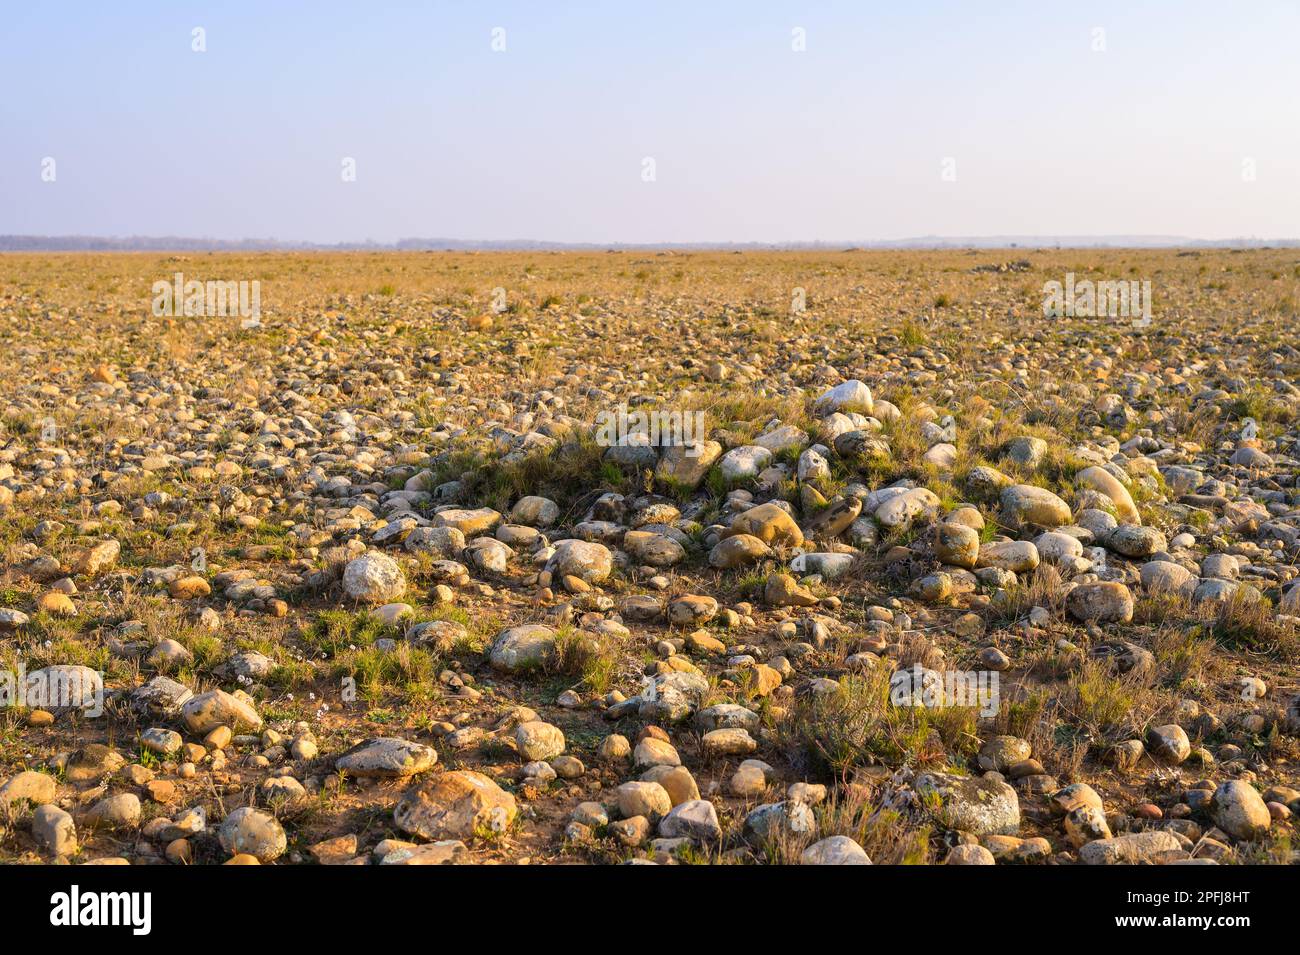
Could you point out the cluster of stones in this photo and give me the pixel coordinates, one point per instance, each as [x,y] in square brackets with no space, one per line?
[681,761]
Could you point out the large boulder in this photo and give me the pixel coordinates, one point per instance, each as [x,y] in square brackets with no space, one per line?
[956,545]
[29,786]
[904,509]
[741,550]
[770,523]
[835,850]
[1134,848]
[653,550]
[205,712]
[1105,602]
[523,648]
[248,831]
[851,395]
[1016,556]
[979,805]
[471,523]
[1101,480]
[386,757]
[686,466]
[460,804]
[374,578]
[1135,541]
[586,560]
[744,463]
[1026,505]
[1239,810]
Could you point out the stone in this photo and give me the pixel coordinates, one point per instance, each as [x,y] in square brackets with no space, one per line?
[1105,602]
[524,648]
[1136,542]
[54,830]
[725,716]
[1016,556]
[743,464]
[168,654]
[957,545]
[97,559]
[653,550]
[1239,810]
[1086,824]
[735,741]
[115,812]
[386,757]
[655,752]
[647,799]
[64,687]
[590,562]
[771,821]
[977,805]
[1163,576]
[205,712]
[696,819]
[686,466]
[1027,505]
[677,780]
[537,740]
[903,510]
[29,786]
[834,850]
[851,395]
[1099,479]
[160,740]
[534,511]
[1133,848]
[742,550]
[442,852]
[771,524]
[835,519]
[249,831]
[1169,743]
[458,804]
[374,578]
[969,854]
[691,610]
[1026,451]
[470,522]
[782,591]
[1001,752]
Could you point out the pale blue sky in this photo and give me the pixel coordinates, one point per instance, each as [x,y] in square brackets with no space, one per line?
[752,141]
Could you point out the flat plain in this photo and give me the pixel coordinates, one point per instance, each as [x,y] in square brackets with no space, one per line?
[941,578]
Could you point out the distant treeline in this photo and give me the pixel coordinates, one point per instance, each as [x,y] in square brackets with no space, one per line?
[90,243]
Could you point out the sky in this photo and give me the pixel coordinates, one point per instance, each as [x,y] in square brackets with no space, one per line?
[649,122]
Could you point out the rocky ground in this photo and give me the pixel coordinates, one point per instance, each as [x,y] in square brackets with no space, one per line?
[365,588]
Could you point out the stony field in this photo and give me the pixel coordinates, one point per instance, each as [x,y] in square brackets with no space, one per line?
[366,585]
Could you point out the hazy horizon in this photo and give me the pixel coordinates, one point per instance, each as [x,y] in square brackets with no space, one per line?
[84,243]
[935,121]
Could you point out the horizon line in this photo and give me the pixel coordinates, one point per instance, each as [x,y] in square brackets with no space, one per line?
[139,243]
